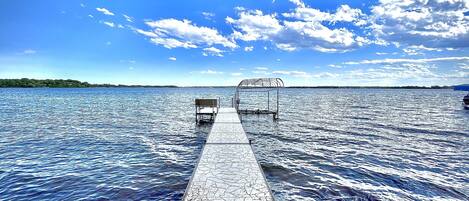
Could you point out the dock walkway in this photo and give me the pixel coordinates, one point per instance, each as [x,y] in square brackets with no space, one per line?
[227,168]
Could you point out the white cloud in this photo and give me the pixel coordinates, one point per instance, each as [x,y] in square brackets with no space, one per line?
[29,51]
[210,72]
[248,48]
[398,60]
[464,66]
[146,33]
[397,74]
[128,18]
[344,13]
[325,75]
[395,71]
[261,68]
[381,53]
[254,25]
[335,66]
[82,5]
[91,16]
[262,72]
[303,31]
[172,58]
[104,11]
[298,3]
[433,24]
[236,74]
[172,33]
[111,24]
[213,51]
[293,73]
[208,15]
[120,26]
[419,49]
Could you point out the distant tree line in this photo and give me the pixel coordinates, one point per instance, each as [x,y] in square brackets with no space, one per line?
[32,83]
[58,83]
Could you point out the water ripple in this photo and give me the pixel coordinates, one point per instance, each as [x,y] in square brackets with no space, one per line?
[142,144]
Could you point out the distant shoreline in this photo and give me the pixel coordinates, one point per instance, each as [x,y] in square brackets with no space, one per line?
[61,83]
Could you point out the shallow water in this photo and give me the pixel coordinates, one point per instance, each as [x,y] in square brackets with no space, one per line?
[142,143]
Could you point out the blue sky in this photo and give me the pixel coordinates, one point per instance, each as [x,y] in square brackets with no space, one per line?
[210,42]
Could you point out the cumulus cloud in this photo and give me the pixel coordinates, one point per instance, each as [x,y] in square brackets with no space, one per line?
[304,29]
[343,13]
[433,23]
[173,33]
[213,51]
[254,25]
[104,11]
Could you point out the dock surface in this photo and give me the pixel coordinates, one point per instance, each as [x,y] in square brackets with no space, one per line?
[227,168]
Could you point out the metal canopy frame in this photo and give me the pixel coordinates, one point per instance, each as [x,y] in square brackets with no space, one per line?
[259,85]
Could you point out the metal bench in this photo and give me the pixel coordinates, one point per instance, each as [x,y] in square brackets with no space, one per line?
[205,107]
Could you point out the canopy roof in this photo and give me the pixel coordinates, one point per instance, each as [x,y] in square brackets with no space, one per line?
[261,83]
[464,87]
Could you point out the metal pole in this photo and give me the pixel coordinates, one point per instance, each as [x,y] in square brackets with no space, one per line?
[277,103]
[268,100]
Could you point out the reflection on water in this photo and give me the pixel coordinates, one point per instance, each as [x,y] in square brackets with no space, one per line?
[142,143]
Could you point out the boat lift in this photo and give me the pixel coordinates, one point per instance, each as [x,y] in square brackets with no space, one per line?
[270,86]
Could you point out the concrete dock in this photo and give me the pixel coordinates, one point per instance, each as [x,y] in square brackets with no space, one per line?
[227,168]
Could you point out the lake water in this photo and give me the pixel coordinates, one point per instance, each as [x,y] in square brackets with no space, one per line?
[142,143]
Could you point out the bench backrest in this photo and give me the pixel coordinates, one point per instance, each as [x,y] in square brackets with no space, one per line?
[206,102]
